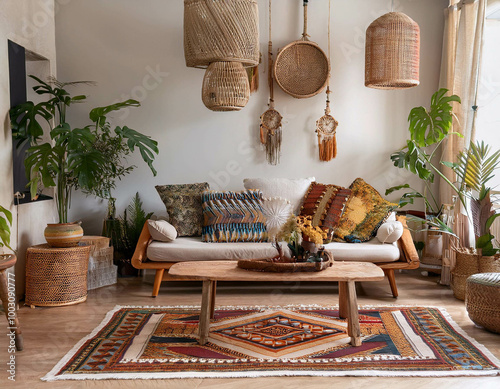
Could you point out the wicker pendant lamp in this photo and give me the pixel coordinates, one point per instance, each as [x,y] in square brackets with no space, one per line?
[225,86]
[392,52]
[221,30]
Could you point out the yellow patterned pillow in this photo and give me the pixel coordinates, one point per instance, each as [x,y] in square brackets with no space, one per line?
[365,211]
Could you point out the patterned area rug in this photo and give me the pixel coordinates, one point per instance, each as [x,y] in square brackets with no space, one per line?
[160,342]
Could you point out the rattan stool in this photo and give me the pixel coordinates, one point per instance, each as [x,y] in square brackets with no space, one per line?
[7,295]
[482,300]
[56,276]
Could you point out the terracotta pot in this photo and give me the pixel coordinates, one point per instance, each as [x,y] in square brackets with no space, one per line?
[63,234]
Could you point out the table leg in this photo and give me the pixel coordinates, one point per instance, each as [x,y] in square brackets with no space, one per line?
[353,329]
[206,304]
[12,322]
[342,300]
[212,305]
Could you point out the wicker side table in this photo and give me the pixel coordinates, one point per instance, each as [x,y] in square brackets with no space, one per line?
[56,276]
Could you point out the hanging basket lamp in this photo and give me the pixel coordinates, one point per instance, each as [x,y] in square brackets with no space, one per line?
[221,30]
[225,86]
[392,52]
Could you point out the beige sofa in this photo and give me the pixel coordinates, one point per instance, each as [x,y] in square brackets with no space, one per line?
[160,256]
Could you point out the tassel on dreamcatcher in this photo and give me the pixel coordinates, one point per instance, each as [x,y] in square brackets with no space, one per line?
[326,126]
[270,121]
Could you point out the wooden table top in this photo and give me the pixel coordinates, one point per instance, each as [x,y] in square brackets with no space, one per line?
[229,271]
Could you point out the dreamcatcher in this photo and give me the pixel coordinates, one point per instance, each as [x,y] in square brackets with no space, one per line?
[270,121]
[326,126]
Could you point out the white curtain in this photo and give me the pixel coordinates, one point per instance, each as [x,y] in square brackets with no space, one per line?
[460,67]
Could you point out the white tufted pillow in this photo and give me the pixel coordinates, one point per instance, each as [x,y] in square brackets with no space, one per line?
[162,230]
[390,232]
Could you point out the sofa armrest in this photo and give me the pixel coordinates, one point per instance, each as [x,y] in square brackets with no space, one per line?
[407,246]
[140,253]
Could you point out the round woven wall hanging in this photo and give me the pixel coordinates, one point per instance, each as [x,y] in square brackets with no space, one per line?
[301,68]
[221,30]
[392,55]
[225,87]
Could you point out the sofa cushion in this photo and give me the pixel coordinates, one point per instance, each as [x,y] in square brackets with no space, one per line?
[325,204]
[162,230]
[390,232]
[365,211]
[192,249]
[277,212]
[233,217]
[293,190]
[183,203]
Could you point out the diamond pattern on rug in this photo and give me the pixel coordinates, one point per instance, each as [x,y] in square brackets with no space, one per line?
[254,341]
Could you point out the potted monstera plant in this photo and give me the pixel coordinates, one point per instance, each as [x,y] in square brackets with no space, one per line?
[69,160]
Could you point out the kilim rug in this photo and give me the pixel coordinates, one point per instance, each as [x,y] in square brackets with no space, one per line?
[161,342]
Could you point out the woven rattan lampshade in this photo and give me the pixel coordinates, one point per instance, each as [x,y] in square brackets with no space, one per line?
[392,52]
[225,87]
[221,30]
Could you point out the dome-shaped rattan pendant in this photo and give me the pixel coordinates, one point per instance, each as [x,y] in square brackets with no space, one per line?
[392,52]
[225,86]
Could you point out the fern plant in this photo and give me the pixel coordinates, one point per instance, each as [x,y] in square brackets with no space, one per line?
[131,224]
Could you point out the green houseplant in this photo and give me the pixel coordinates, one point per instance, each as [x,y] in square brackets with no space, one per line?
[5,224]
[130,228]
[70,159]
[428,130]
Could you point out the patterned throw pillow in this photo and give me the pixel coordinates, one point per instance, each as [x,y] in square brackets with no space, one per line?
[233,217]
[325,204]
[183,203]
[365,211]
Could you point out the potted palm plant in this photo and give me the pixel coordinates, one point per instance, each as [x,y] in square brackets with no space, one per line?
[475,167]
[69,160]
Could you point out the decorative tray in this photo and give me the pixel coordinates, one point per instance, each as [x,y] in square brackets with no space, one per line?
[277,265]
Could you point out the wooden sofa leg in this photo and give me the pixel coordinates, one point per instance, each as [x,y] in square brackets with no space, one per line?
[392,281]
[157,284]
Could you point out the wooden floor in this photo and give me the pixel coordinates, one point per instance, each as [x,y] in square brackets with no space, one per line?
[51,332]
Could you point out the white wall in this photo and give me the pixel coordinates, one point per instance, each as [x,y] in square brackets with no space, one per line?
[29,23]
[118,42]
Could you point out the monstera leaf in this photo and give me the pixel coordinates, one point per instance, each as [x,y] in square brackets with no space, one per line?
[42,163]
[25,123]
[147,146]
[98,115]
[428,127]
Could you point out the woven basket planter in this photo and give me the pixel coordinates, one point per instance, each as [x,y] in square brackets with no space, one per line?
[489,264]
[482,300]
[225,87]
[221,30]
[392,52]
[466,265]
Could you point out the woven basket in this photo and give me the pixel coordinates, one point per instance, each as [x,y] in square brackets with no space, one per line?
[489,264]
[466,265]
[56,276]
[221,30]
[301,69]
[392,54]
[482,300]
[225,87]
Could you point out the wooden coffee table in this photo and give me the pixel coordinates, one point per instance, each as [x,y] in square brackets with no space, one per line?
[345,273]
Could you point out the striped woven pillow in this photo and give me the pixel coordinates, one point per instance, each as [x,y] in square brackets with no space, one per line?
[233,217]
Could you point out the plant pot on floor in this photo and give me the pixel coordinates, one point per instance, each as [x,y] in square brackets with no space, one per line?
[466,265]
[63,234]
[489,264]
